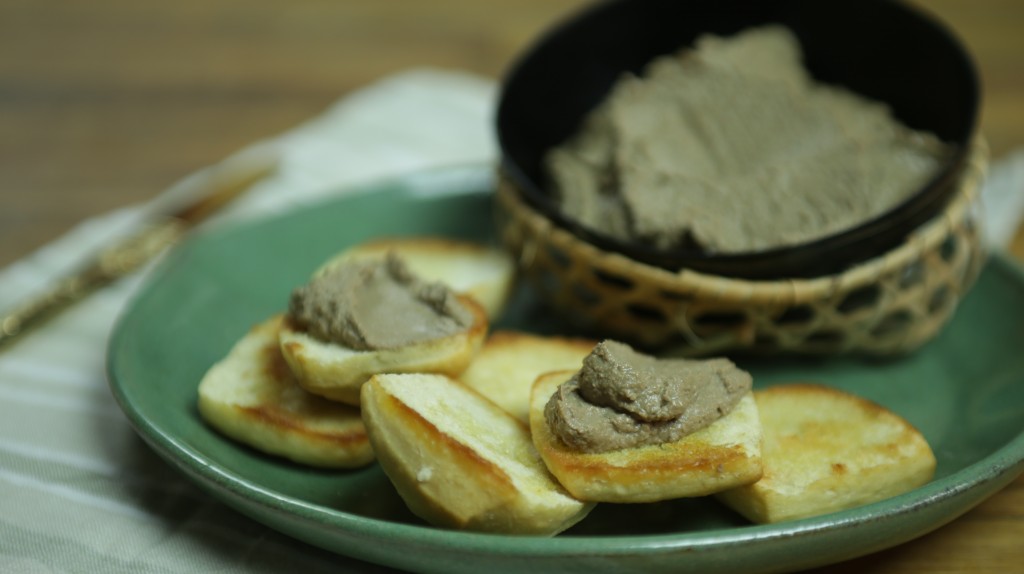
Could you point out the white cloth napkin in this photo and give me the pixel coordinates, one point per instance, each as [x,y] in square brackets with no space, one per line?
[79,492]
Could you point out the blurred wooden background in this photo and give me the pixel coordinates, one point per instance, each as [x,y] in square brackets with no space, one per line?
[107,102]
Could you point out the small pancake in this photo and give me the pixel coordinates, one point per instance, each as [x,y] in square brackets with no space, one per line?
[483,272]
[827,450]
[510,361]
[251,396]
[459,461]
[723,455]
[337,372]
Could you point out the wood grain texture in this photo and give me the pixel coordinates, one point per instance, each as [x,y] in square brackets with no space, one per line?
[107,102]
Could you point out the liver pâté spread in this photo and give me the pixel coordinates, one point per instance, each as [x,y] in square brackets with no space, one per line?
[621,398]
[732,147]
[377,304]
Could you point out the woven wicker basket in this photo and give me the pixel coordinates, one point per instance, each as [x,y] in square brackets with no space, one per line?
[887,305]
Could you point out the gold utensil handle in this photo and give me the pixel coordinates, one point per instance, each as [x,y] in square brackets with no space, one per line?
[112,263]
[212,190]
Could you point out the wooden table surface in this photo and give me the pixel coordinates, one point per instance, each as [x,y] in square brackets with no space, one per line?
[107,102]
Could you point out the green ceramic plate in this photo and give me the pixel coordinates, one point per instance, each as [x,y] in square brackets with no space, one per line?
[964,391]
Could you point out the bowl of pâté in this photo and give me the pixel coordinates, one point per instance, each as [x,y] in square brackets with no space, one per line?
[743,174]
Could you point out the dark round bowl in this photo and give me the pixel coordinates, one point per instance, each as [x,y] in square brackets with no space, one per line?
[881,49]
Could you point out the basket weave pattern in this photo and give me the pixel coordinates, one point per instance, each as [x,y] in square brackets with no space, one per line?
[890,304]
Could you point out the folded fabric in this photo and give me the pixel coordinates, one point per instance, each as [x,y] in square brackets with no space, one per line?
[80,491]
